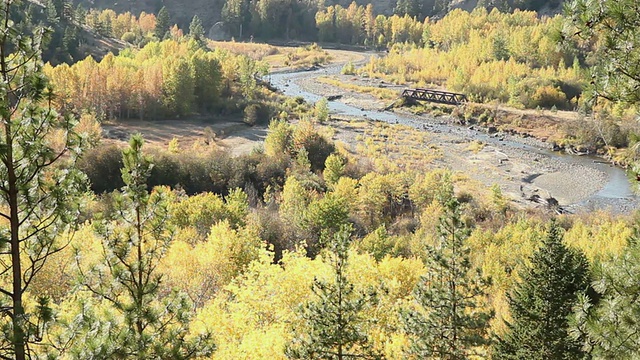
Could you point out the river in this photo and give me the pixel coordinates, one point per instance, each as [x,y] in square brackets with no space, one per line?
[614,193]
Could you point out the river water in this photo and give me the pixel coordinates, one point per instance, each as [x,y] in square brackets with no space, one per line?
[617,191]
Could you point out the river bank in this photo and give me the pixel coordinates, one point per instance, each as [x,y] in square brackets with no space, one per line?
[524,168]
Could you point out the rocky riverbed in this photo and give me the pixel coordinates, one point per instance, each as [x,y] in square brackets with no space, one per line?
[524,168]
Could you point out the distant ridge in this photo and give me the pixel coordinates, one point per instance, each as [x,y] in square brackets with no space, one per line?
[182,11]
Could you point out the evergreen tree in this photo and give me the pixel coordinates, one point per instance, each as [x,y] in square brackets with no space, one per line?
[542,302]
[412,8]
[235,15]
[147,325]
[38,197]
[196,30]
[333,169]
[322,110]
[53,17]
[610,325]
[447,322]
[163,22]
[80,14]
[335,327]
[612,25]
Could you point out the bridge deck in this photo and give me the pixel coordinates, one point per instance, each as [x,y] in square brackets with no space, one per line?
[436,96]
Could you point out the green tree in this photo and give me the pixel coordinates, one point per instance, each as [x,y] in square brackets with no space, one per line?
[322,110]
[448,322]
[208,80]
[334,325]
[80,14]
[38,196]
[151,325]
[500,47]
[279,138]
[612,25]
[52,12]
[248,72]
[333,169]
[196,30]
[413,8]
[235,15]
[542,301]
[163,22]
[610,326]
[179,87]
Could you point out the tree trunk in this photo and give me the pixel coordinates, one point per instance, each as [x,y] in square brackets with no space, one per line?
[18,309]
[17,318]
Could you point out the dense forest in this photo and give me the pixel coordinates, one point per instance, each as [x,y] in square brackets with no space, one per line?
[300,249]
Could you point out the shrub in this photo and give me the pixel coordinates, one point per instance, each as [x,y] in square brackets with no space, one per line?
[251,114]
[547,97]
[348,69]
[318,148]
[102,166]
[333,169]
[165,170]
[322,110]
[256,114]
[129,37]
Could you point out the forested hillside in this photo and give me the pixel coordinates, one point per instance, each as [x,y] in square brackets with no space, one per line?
[212,11]
[181,11]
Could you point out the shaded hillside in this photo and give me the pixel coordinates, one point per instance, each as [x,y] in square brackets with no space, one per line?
[69,40]
[180,11]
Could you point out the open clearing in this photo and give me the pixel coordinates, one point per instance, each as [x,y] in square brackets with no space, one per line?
[233,136]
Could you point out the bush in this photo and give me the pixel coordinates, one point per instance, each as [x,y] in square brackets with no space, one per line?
[348,69]
[165,171]
[213,171]
[547,97]
[129,37]
[322,110]
[102,166]
[256,114]
[318,148]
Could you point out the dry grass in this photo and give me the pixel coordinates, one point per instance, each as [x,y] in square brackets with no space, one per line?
[389,147]
[277,56]
[476,146]
[380,93]
[541,124]
[253,50]
[310,55]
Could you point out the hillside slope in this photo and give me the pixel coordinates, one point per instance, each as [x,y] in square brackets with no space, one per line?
[181,11]
[209,11]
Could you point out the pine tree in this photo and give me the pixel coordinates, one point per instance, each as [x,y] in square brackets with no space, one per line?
[613,26]
[38,196]
[333,169]
[149,325]
[53,17]
[335,327]
[542,302]
[322,110]
[196,30]
[80,14]
[609,325]
[163,22]
[411,8]
[448,322]
[235,15]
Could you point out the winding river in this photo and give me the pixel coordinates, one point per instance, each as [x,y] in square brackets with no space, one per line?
[616,192]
